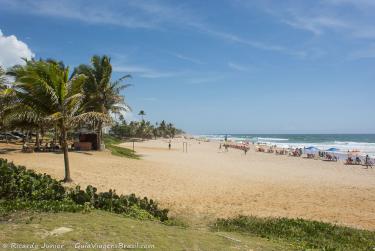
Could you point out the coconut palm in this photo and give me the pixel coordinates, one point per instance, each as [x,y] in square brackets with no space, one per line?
[46,89]
[6,96]
[102,94]
[142,114]
[2,78]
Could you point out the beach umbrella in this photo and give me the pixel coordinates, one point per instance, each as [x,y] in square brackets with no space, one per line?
[312,148]
[332,149]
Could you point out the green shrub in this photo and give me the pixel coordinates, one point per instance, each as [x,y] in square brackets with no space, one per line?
[24,189]
[305,233]
[55,206]
[120,204]
[18,182]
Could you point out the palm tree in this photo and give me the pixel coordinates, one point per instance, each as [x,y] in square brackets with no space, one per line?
[46,89]
[2,100]
[142,114]
[3,79]
[101,94]
[6,97]
[171,130]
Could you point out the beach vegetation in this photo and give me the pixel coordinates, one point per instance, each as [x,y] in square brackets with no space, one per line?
[304,234]
[144,129]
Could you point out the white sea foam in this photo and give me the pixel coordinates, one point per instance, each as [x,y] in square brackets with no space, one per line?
[271,139]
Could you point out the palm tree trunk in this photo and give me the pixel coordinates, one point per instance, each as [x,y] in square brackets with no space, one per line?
[100,135]
[66,157]
[100,129]
[37,143]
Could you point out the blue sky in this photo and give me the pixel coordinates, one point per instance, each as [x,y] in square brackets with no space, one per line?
[227,66]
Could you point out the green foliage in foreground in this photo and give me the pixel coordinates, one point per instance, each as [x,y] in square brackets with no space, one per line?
[24,189]
[304,233]
[111,143]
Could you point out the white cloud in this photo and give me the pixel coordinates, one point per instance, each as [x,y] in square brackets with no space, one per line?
[81,11]
[328,16]
[363,53]
[186,58]
[205,79]
[357,3]
[239,67]
[144,72]
[317,24]
[137,14]
[249,42]
[13,50]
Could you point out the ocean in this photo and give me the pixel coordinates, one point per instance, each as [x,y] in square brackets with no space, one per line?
[365,143]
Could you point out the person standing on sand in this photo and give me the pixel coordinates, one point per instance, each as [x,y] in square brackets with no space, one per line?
[226,147]
[169,145]
[367,161]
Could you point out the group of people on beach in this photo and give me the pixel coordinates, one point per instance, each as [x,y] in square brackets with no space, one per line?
[298,152]
[243,147]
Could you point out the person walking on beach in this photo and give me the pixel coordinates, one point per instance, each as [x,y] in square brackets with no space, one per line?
[169,145]
[367,162]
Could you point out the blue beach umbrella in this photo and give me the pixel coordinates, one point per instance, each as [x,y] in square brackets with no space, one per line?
[312,148]
[332,149]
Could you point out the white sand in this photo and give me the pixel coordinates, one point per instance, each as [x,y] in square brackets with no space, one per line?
[206,183]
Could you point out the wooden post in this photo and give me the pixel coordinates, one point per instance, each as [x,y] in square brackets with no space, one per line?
[184,147]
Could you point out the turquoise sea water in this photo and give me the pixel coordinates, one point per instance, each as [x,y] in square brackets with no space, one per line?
[365,143]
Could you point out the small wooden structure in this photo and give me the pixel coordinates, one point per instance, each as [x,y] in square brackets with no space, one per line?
[87,141]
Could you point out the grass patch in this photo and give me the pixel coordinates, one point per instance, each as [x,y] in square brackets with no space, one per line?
[105,227]
[111,142]
[302,233]
[122,152]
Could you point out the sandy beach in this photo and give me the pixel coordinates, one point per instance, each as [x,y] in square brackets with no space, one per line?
[206,182]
